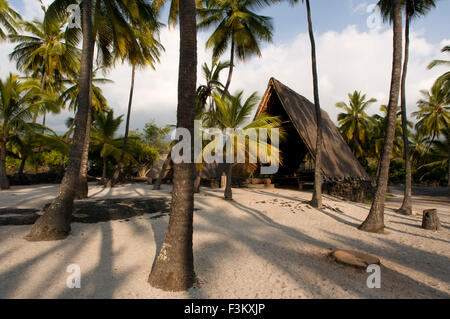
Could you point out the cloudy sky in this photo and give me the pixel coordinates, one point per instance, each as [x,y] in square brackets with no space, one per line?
[354,53]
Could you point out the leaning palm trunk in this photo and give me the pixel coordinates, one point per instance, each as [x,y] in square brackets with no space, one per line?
[228,190]
[119,171]
[406,207]
[173,269]
[54,224]
[317,192]
[103,182]
[230,72]
[375,220]
[166,163]
[4,183]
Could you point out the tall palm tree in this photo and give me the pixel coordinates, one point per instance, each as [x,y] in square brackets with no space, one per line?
[54,224]
[103,137]
[173,269]
[375,220]
[9,19]
[413,9]
[234,113]
[145,54]
[16,106]
[317,190]
[237,27]
[44,53]
[355,123]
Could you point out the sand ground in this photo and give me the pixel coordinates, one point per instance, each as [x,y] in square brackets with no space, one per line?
[264,244]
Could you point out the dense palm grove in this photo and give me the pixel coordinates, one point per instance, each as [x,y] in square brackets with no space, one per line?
[59,67]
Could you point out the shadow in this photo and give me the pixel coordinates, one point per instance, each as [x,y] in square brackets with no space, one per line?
[270,244]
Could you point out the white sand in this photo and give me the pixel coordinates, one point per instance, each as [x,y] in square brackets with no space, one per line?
[264,244]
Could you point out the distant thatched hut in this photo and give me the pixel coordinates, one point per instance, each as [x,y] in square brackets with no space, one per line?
[343,174]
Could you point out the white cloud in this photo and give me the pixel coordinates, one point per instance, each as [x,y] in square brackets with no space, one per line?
[32,9]
[347,61]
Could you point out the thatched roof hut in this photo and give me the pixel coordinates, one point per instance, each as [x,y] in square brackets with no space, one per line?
[299,121]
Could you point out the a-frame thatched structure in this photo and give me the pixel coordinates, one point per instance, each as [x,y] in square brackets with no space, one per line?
[299,120]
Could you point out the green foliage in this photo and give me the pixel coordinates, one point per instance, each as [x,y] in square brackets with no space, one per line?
[157,136]
[12,164]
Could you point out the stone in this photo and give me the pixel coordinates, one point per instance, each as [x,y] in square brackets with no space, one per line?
[355,258]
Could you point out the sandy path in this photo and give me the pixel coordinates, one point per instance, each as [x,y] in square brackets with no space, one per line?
[264,244]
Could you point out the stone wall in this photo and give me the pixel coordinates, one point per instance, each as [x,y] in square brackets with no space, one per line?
[355,190]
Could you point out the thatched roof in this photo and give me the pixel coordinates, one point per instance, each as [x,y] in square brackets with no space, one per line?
[338,161]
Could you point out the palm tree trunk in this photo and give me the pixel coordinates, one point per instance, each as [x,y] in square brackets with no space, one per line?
[4,183]
[375,220]
[54,224]
[118,172]
[66,139]
[173,269]
[228,190]
[166,163]
[104,171]
[317,191]
[197,181]
[22,166]
[230,72]
[82,187]
[406,207]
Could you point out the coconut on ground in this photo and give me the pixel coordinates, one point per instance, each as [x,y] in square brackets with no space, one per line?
[264,244]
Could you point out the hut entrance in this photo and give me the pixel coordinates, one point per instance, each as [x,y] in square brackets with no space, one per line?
[297,168]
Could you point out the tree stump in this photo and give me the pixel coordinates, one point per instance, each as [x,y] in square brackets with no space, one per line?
[430,220]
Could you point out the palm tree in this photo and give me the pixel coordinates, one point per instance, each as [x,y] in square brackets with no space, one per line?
[44,53]
[145,54]
[438,159]
[434,115]
[233,113]
[173,269]
[213,85]
[54,224]
[9,19]
[317,191]
[205,93]
[378,134]
[69,96]
[16,105]
[355,124]
[173,10]
[375,220]
[237,27]
[444,80]
[413,9]
[103,138]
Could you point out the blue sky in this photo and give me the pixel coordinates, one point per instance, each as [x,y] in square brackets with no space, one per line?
[351,56]
[338,14]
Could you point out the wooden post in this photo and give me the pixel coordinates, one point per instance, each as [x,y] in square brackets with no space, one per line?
[430,220]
